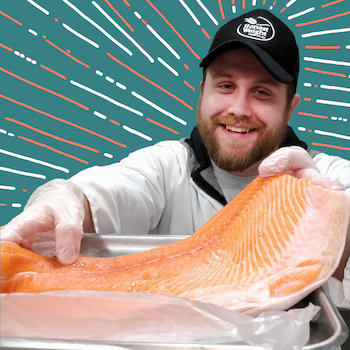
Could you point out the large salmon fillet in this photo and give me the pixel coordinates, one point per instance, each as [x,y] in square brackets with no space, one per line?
[273,244]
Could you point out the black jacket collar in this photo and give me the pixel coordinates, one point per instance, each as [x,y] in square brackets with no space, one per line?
[203,164]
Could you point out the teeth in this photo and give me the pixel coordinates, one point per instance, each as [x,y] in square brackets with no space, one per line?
[232,128]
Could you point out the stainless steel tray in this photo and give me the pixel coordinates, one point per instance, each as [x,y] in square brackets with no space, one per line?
[327,332]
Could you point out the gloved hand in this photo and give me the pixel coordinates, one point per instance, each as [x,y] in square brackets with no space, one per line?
[296,161]
[54,213]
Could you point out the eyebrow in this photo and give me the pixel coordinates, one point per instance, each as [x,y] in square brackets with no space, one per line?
[268,81]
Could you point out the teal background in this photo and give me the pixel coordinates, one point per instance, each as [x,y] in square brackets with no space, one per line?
[16,37]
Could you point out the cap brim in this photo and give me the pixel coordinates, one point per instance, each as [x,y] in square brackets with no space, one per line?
[274,68]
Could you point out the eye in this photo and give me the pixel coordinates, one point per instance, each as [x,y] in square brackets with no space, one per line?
[262,93]
[225,87]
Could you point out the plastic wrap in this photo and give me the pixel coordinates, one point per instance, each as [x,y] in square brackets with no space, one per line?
[133,317]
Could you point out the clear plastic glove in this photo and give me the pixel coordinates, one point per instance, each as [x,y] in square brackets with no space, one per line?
[51,220]
[296,161]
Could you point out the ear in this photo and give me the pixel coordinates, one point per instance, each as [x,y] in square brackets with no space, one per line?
[201,85]
[294,104]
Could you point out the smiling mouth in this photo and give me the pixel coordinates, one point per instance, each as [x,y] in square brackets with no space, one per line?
[237,129]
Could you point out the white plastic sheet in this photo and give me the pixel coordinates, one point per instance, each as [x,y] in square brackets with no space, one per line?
[132,317]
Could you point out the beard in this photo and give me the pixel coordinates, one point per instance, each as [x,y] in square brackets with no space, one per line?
[234,161]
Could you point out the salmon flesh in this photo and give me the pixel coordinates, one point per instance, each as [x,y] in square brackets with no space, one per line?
[273,244]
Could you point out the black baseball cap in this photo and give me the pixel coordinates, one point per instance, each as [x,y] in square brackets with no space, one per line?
[270,40]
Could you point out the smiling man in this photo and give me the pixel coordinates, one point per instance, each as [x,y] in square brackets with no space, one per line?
[247,97]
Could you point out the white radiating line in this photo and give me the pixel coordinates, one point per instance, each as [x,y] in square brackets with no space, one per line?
[39,7]
[108,155]
[327,133]
[138,133]
[10,188]
[333,103]
[33,160]
[301,13]
[150,58]
[98,72]
[347,47]
[111,80]
[166,65]
[24,173]
[80,13]
[321,60]
[207,12]
[137,15]
[163,41]
[339,88]
[301,128]
[81,36]
[182,2]
[120,86]
[324,32]
[307,84]
[16,205]
[31,31]
[100,115]
[2,131]
[254,2]
[107,98]
[291,2]
[143,99]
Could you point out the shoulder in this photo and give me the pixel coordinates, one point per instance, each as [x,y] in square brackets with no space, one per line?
[168,154]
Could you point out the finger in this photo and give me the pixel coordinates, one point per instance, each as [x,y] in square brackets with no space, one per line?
[22,229]
[287,160]
[68,241]
[69,232]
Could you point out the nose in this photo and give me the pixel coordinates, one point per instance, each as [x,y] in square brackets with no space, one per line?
[240,105]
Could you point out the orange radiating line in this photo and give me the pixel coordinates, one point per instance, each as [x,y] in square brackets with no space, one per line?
[332,3]
[307,99]
[330,146]
[321,47]
[119,15]
[325,72]
[205,33]
[114,122]
[283,9]
[52,149]
[66,53]
[162,126]
[322,19]
[2,205]
[11,18]
[264,2]
[51,135]
[174,30]
[221,9]
[313,115]
[53,71]
[189,85]
[43,88]
[6,47]
[149,81]
[274,3]
[243,4]
[126,3]
[62,120]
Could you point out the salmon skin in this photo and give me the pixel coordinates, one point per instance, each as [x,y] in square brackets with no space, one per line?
[273,244]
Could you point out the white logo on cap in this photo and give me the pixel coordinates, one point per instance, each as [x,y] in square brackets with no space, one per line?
[262,30]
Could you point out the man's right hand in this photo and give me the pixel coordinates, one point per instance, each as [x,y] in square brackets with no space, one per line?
[57,207]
